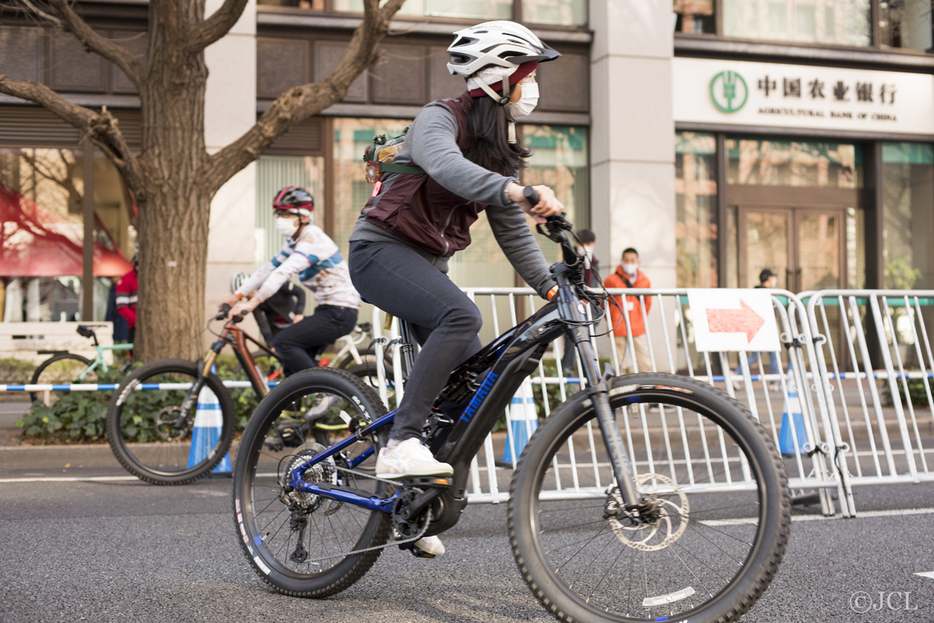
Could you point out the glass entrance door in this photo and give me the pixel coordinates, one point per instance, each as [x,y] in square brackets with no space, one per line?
[802,246]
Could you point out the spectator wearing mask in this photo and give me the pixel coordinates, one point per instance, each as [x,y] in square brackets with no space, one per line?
[628,275]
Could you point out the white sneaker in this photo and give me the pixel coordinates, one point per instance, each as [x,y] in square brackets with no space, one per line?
[409,458]
[430,546]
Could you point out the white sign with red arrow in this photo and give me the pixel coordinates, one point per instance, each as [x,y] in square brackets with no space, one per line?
[733,320]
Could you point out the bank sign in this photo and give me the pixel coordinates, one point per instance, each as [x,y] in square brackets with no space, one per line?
[798,96]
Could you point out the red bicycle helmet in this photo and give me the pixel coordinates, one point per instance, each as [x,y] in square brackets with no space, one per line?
[294,200]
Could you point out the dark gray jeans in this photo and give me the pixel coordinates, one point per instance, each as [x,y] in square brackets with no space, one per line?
[396,279]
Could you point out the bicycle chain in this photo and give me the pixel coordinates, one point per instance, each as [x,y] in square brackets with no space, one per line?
[375,547]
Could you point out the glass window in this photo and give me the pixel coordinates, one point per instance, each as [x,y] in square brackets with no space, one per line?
[695,17]
[908,212]
[472,9]
[905,24]
[560,12]
[839,22]
[793,163]
[41,208]
[696,210]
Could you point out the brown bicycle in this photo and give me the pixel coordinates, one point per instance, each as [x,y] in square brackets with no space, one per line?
[172,421]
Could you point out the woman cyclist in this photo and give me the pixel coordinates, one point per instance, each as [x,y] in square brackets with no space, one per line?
[309,253]
[399,250]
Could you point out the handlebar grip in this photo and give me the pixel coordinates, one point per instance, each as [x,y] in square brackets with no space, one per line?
[531,195]
[222,311]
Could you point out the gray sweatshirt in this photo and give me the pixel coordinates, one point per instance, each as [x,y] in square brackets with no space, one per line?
[431,143]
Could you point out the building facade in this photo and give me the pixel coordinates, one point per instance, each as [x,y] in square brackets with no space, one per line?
[718,137]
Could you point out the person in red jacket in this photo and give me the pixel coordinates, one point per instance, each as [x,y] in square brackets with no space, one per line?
[127,299]
[628,275]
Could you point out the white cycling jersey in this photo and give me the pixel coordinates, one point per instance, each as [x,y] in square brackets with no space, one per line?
[316,260]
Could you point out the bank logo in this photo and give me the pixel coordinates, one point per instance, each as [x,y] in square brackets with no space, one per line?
[728,91]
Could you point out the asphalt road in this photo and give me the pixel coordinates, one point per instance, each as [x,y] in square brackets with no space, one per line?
[101,546]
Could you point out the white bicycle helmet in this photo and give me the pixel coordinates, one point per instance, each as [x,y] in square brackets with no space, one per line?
[237,280]
[500,43]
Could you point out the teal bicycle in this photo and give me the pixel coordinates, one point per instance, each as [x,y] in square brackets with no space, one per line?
[65,368]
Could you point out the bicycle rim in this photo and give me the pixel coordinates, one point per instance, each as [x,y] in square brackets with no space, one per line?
[298,542]
[62,369]
[154,440]
[720,516]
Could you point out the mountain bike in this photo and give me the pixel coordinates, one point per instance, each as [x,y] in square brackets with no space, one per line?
[65,368]
[153,424]
[689,529]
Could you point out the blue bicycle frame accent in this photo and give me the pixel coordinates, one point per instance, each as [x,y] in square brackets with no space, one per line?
[384,505]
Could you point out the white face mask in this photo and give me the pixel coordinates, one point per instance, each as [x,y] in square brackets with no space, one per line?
[630,269]
[527,101]
[287,225]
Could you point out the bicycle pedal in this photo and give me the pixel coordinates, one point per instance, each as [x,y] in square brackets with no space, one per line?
[428,481]
[418,553]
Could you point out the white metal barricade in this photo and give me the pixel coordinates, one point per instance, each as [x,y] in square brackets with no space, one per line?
[662,440]
[875,364]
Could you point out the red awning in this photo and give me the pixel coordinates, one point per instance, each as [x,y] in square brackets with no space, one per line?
[36,243]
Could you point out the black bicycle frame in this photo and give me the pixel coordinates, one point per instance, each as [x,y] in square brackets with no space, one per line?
[492,376]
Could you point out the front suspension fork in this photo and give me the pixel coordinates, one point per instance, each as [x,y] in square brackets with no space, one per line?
[204,369]
[598,392]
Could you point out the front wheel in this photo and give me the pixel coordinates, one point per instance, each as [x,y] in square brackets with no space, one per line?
[302,544]
[154,438]
[709,536]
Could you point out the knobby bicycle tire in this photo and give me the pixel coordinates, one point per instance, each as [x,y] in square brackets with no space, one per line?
[583,559]
[154,452]
[284,556]
[47,365]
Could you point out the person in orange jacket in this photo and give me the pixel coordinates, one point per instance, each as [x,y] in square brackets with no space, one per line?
[628,275]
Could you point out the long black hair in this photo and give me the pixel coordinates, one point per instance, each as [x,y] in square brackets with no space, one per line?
[489,143]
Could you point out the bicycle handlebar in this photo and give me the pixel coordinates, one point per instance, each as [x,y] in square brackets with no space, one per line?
[224,309]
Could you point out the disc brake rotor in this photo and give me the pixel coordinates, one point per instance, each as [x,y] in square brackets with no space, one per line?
[662,525]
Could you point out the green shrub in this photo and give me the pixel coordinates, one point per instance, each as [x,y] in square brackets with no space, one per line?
[74,417]
[15,371]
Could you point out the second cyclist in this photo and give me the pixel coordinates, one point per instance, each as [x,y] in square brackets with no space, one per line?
[309,253]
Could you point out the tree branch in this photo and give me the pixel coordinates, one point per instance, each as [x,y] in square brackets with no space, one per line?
[301,102]
[92,41]
[101,128]
[216,26]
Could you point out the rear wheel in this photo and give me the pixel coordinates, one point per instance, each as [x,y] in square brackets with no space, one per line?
[60,369]
[300,543]
[154,439]
[708,539]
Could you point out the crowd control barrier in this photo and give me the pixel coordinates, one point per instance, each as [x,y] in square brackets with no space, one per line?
[649,432]
[849,402]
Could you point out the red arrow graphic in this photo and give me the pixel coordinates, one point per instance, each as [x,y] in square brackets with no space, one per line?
[742,320]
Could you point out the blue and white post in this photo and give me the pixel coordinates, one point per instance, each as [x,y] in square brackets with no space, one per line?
[792,437]
[209,422]
[522,420]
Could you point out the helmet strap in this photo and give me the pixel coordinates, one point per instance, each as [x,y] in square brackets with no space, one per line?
[503,99]
[511,129]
